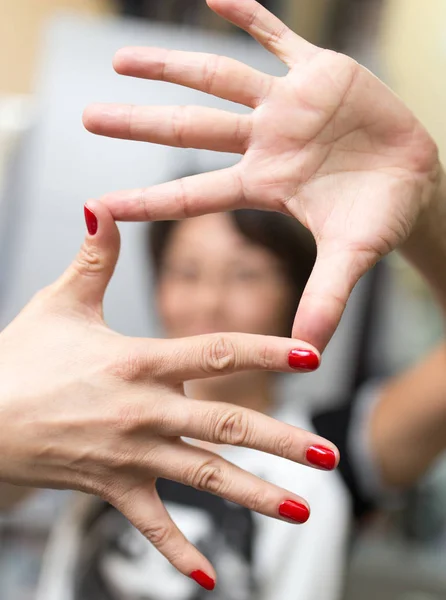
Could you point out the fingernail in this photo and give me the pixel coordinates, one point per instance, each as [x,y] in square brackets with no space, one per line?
[322,457]
[303,359]
[91,221]
[204,580]
[294,511]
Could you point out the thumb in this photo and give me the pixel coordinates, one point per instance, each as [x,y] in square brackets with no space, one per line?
[88,276]
[335,274]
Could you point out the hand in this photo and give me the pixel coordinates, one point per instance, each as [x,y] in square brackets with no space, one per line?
[84,408]
[329,144]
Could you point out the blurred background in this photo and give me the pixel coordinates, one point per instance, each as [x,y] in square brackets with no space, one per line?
[55,57]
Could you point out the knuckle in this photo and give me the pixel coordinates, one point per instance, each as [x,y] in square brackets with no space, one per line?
[88,260]
[232,427]
[107,490]
[129,417]
[220,355]
[107,485]
[159,360]
[242,131]
[256,501]
[151,417]
[284,445]
[158,534]
[180,123]
[276,36]
[182,197]
[144,204]
[265,359]
[251,19]
[207,477]
[211,70]
[134,363]
[128,456]
[129,367]
[133,457]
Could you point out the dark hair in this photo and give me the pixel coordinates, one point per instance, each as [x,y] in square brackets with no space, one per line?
[284,236]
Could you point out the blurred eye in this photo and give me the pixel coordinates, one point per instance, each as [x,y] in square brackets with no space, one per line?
[181,273]
[248,275]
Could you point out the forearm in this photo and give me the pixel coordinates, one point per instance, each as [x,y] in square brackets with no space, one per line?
[426,247]
[408,425]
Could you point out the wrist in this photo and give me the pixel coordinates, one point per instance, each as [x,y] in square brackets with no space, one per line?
[425,249]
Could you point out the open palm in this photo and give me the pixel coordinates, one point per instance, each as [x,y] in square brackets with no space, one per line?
[328,143]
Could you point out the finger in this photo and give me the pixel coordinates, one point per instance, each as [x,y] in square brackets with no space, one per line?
[209,355]
[88,276]
[187,197]
[217,75]
[144,509]
[325,297]
[222,423]
[267,29]
[180,126]
[209,472]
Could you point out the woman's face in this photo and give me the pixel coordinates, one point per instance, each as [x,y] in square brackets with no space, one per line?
[214,279]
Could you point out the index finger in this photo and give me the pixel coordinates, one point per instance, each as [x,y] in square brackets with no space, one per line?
[183,198]
[209,355]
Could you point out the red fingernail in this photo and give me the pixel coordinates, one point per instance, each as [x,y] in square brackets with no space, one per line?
[322,457]
[91,220]
[204,580]
[294,511]
[303,359]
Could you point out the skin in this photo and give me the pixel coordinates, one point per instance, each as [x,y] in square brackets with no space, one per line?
[328,143]
[105,413]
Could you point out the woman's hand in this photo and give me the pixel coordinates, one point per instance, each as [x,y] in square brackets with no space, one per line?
[84,408]
[329,144]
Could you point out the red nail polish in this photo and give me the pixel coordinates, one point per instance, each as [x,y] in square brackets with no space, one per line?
[294,511]
[91,220]
[204,580]
[303,359]
[322,457]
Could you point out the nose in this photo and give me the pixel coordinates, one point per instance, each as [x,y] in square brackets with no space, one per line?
[210,296]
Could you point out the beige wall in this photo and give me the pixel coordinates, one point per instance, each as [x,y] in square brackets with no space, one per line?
[414,49]
[20,27]
[307,17]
